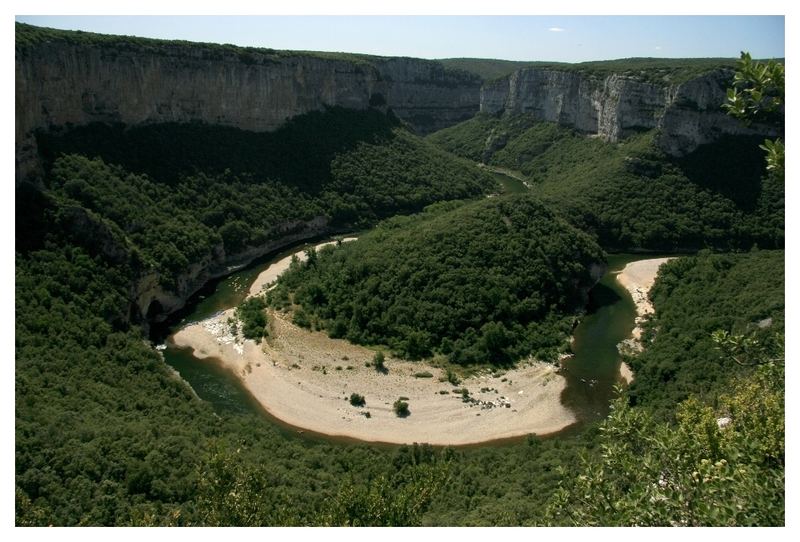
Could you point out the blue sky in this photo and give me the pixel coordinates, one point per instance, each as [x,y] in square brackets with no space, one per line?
[557,38]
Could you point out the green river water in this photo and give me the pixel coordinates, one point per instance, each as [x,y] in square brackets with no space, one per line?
[591,374]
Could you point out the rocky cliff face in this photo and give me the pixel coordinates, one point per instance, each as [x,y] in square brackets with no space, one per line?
[614,106]
[426,95]
[59,84]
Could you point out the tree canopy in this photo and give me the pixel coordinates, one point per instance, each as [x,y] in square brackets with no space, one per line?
[483,282]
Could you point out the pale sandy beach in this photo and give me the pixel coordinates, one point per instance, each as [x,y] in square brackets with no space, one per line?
[638,277]
[305,379]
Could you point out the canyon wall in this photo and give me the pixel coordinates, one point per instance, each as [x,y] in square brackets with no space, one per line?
[62,83]
[688,114]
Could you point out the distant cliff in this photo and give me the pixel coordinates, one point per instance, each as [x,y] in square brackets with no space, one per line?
[614,106]
[68,78]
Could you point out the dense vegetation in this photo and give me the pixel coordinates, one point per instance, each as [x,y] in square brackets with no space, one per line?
[177,191]
[704,440]
[105,433]
[250,313]
[720,464]
[629,194]
[681,360]
[491,281]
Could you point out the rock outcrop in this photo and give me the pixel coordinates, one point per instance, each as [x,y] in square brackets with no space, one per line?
[614,106]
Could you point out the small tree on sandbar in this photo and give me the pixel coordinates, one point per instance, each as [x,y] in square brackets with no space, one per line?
[379,361]
[401,408]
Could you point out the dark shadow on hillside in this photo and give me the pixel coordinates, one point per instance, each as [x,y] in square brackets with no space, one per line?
[299,153]
[732,167]
[31,210]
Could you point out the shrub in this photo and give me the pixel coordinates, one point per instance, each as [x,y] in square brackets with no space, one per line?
[401,408]
[452,378]
[424,374]
[379,361]
[357,400]
[301,319]
[253,318]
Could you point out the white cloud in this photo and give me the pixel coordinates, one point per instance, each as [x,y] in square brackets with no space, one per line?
[556,29]
[658,47]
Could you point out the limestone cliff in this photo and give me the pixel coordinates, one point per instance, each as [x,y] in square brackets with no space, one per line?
[60,83]
[614,106]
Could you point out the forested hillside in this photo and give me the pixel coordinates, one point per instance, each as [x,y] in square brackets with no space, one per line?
[105,432]
[681,358]
[177,191]
[630,195]
[491,281]
[106,435]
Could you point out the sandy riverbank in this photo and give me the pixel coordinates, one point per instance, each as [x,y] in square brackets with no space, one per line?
[638,277]
[305,379]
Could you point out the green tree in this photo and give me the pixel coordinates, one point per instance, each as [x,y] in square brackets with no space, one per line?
[253,317]
[232,492]
[750,349]
[379,361]
[758,95]
[386,501]
[357,400]
[235,235]
[311,256]
[401,408]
